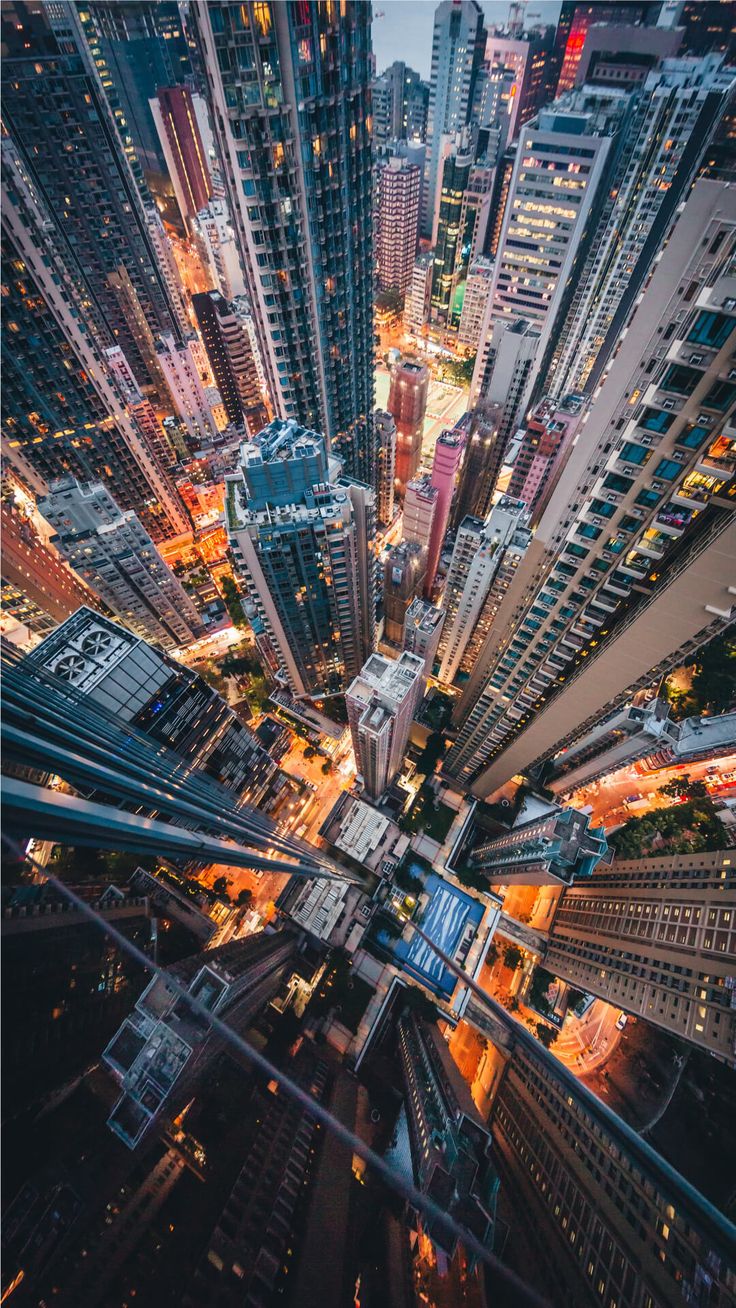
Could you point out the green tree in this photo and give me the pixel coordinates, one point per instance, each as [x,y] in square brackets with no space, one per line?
[546,1034]
[220,885]
[512,957]
[431,754]
[245,897]
[390,301]
[327,767]
[714,679]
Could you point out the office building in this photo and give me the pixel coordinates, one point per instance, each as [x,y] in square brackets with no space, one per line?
[484,560]
[385,430]
[514,84]
[231,358]
[116,558]
[546,223]
[574,23]
[422,630]
[38,589]
[655,936]
[552,846]
[606,1220]
[66,150]
[139,408]
[381,703]
[183,149]
[404,570]
[673,121]
[138,46]
[505,370]
[302,211]
[458,46]
[420,506]
[177,364]
[448,453]
[295,538]
[363,502]
[161,1051]
[622,56]
[215,236]
[456,161]
[478,285]
[480,466]
[451,1145]
[398,194]
[110,668]
[648,535]
[407,404]
[545,445]
[61,413]
[400,105]
[416,305]
[475,216]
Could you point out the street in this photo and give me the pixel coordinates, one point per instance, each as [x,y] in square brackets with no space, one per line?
[606,796]
[586,1043]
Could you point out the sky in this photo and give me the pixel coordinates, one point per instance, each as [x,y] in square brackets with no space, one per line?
[402,29]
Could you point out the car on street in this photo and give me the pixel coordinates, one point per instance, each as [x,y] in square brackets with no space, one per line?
[621,1023]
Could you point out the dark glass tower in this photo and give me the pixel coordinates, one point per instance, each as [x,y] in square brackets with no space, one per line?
[56,111]
[290,95]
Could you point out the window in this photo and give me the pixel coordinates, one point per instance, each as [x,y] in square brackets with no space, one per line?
[631,453]
[711,329]
[614,482]
[720,396]
[656,420]
[647,498]
[680,380]
[667,469]
[692,437]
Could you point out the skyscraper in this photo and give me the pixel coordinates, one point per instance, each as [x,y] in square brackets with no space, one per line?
[110,668]
[398,194]
[422,630]
[230,354]
[407,404]
[77,164]
[546,223]
[403,577]
[676,114]
[140,45]
[484,449]
[38,589]
[295,537]
[162,1050]
[183,148]
[505,371]
[456,162]
[176,360]
[549,846]
[381,703]
[606,1219]
[385,429]
[420,506]
[544,448]
[416,305]
[448,453]
[478,286]
[458,45]
[451,1145]
[296,150]
[574,23]
[655,936]
[636,534]
[515,79]
[62,412]
[485,557]
[400,104]
[115,556]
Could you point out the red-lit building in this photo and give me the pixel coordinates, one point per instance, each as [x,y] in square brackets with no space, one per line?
[186,158]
